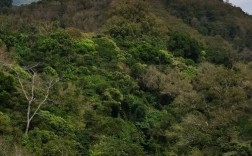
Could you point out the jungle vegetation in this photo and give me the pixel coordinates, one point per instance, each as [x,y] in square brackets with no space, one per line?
[125,78]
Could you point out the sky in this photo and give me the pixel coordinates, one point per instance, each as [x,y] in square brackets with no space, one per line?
[246,5]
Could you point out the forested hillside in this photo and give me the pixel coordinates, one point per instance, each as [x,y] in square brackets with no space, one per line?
[125,78]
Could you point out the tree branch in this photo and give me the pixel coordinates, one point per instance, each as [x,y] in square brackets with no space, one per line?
[31,97]
[51,84]
[33,86]
[22,86]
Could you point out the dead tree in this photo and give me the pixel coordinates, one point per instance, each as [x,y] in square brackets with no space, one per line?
[34,104]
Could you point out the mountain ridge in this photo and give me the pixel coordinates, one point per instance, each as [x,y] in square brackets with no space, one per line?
[221,19]
[22,2]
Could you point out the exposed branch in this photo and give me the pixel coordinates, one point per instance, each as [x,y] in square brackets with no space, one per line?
[22,86]
[51,84]
[31,97]
[33,86]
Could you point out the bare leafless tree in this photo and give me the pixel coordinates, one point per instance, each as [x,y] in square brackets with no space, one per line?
[34,104]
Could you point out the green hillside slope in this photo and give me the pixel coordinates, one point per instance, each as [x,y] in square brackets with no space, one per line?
[125,78]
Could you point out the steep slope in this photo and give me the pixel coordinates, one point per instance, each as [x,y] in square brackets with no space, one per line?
[122,77]
[215,18]
[209,18]
[83,14]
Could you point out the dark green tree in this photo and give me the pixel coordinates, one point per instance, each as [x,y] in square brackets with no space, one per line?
[183,45]
[5,3]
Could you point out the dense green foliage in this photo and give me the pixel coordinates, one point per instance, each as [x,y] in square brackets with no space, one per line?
[214,18]
[182,45]
[5,3]
[135,87]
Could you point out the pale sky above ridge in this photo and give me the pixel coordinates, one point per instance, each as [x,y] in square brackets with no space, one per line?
[246,5]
